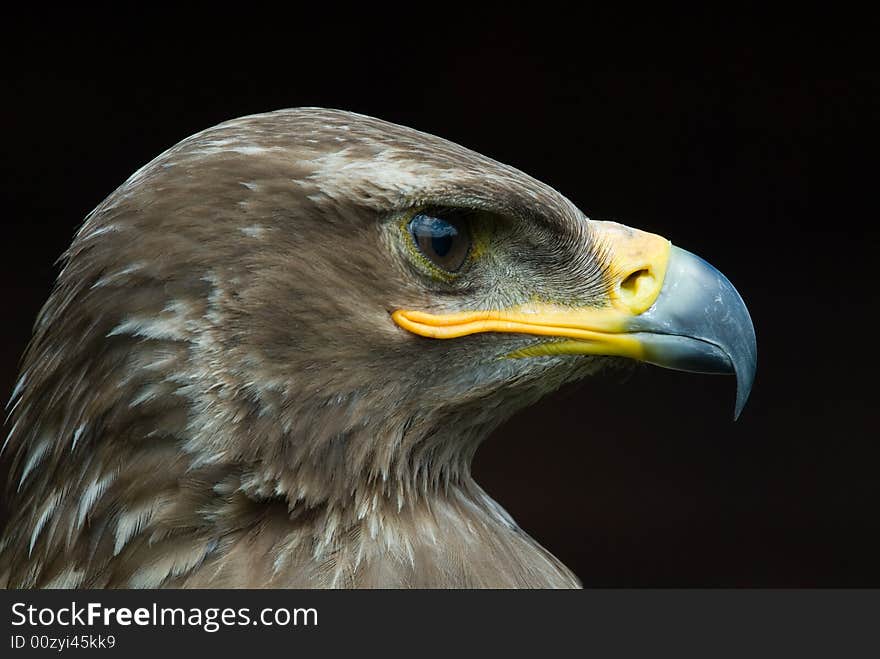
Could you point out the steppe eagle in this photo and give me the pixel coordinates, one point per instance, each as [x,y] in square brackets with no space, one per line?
[271,354]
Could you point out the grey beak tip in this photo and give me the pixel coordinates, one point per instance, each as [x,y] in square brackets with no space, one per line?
[740,404]
[745,370]
[700,323]
[745,377]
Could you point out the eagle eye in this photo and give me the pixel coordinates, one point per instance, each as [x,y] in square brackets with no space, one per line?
[444,240]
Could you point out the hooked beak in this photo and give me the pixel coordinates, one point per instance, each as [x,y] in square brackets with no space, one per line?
[666,306]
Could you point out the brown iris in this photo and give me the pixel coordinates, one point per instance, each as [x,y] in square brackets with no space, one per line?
[443,239]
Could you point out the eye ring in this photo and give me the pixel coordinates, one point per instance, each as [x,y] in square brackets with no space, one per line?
[443,239]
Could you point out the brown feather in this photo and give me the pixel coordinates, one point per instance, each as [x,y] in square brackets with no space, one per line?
[215,396]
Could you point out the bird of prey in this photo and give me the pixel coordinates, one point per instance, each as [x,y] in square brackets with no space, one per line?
[272,352]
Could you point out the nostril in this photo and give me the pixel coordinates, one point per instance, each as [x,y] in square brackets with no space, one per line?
[631,284]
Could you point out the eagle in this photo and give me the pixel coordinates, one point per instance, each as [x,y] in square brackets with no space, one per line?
[270,356]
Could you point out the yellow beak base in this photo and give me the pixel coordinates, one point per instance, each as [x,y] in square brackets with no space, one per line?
[592,331]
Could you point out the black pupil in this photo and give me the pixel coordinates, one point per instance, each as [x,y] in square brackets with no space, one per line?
[443,240]
[441,233]
[441,245]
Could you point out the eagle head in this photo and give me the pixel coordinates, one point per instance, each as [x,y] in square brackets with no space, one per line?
[272,352]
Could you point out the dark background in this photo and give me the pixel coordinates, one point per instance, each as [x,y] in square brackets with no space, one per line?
[704,132]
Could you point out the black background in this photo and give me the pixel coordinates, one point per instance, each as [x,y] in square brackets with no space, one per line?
[707,132]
